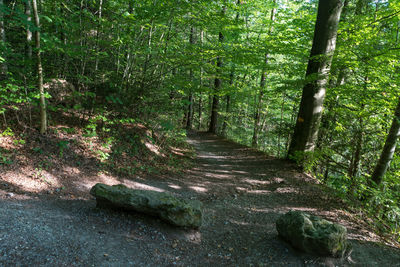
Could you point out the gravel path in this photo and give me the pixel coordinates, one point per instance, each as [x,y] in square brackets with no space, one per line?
[243,193]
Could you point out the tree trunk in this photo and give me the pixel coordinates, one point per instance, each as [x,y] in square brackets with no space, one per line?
[254,141]
[227,110]
[256,129]
[189,112]
[388,149]
[190,107]
[201,82]
[228,103]
[200,111]
[217,86]
[98,36]
[28,31]
[356,159]
[324,43]
[43,113]
[231,79]
[4,67]
[281,125]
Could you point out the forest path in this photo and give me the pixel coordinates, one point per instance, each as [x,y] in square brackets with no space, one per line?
[243,192]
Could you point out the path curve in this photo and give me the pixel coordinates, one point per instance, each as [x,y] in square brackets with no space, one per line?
[243,192]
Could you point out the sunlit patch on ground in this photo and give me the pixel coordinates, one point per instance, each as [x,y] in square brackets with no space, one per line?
[174,186]
[38,181]
[256,182]
[259,192]
[142,186]
[153,148]
[286,190]
[198,189]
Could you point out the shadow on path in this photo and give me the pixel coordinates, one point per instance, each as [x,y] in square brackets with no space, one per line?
[243,192]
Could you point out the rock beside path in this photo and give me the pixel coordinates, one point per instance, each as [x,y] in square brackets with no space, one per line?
[312,234]
[169,208]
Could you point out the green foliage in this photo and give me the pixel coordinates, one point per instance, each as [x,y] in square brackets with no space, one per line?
[5,157]
[307,160]
[68,130]
[7,132]
[62,145]
[19,142]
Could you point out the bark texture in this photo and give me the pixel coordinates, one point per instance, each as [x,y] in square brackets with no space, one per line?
[3,65]
[388,149]
[217,86]
[215,101]
[43,113]
[324,43]
[190,99]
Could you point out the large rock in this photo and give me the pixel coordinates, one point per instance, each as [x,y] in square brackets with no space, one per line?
[312,234]
[174,210]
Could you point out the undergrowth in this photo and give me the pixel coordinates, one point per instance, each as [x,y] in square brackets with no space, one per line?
[380,203]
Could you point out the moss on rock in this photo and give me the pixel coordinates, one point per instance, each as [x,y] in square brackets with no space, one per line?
[312,234]
[177,211]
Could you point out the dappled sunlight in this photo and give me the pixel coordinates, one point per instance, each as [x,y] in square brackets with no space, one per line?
[240,222]
[211,157]
[262,210]
[174,186]
[141,186]
[305,209]
[72,170]
[198,189]
[258,192]
[256,182]
[39,181]
[238,188]
[286,190]
[193,236]
[101,178]
[153,148]
[216,176]
[277,180]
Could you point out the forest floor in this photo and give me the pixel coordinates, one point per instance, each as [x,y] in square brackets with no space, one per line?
[243,192]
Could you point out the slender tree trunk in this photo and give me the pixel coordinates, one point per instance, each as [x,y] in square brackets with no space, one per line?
[28,52]
[201,82]
[63,36]
[388,149]
[214,108]
[227,111]
[28,31]
[356,159]
[256,128]
[3,67]
[231,78]
[200,111]
[228,104]
[43,113]
[217,86]
[189,112]
[146,62]
[324,43]
[281,125]
[190,107]
[98,35]
[254,141]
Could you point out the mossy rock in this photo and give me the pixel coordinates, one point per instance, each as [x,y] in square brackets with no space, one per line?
[312,234]
[176,211]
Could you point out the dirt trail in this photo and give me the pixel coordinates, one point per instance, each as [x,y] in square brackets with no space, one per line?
[243,192]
